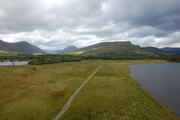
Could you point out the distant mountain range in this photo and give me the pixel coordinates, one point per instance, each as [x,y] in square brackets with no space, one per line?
[171,50]
[103,49]
[19,47]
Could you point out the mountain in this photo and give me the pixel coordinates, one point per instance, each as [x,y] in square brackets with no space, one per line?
[171,50]
[113,49]
[19,47]
[69,49]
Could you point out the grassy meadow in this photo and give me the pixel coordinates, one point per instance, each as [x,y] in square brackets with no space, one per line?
[39,92]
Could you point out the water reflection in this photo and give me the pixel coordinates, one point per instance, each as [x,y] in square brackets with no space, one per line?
[13,63]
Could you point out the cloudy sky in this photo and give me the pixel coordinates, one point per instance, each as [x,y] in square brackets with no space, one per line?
[55,24]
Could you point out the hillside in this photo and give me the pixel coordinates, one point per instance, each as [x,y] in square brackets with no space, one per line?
[19,47]
[114,49]
[156,51]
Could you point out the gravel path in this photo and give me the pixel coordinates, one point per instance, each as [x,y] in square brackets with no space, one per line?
[66,106]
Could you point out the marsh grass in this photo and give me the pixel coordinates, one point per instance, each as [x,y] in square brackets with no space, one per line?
[39,92]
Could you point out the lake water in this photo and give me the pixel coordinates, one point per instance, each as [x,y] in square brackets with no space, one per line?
[162,81]
[15,63]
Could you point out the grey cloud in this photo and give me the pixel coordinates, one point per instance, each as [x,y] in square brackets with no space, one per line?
[143,31]
[20,16]
[170,40]
[156,13]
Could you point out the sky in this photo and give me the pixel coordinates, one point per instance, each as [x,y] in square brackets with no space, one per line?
[55,24]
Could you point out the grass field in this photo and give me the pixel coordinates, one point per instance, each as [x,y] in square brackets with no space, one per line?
[39,92]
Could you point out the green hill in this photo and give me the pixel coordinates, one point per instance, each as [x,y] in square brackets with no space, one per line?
[114,49]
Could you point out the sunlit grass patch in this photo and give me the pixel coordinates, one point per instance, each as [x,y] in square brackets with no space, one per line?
[2,51]
[76,53]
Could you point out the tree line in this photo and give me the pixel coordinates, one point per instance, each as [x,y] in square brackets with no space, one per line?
[175,58]
[54,58]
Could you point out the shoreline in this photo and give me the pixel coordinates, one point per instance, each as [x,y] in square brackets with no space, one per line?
[151,94]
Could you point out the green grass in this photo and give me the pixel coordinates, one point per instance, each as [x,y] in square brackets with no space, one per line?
[39,92]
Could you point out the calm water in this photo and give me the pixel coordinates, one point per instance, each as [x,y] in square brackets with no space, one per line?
[15,63]
[162,81]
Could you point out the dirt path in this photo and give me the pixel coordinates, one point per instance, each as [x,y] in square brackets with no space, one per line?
[66,106]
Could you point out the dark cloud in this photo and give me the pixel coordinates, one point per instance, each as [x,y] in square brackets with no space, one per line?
[54,24]
[155,13]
